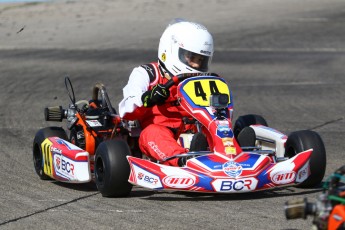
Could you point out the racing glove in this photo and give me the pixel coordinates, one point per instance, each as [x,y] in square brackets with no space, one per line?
[156,96]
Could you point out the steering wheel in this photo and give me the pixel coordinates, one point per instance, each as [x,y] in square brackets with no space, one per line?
[100,88]
[178,78]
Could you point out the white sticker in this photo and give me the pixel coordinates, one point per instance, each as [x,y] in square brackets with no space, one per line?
[146,179]
[94,123]
[235,185]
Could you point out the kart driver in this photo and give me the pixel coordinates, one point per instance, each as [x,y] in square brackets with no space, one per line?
[184,47]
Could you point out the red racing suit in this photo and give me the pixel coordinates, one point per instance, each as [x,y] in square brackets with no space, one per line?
[161,125]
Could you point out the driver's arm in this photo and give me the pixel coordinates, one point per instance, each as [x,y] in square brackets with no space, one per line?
[138,83]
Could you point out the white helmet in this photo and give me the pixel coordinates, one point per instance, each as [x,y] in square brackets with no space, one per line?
[185,47]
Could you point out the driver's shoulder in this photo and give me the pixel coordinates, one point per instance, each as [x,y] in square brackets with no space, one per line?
[152,70]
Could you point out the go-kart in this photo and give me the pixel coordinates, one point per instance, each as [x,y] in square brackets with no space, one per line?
[242,157]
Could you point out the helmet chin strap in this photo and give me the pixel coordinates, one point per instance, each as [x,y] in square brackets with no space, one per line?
[164,71]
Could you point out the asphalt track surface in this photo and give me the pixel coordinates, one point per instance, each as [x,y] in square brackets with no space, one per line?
[289,71]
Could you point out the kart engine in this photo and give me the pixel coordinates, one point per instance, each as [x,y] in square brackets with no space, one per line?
[328,211]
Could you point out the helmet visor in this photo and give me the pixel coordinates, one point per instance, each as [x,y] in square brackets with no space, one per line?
[195,61]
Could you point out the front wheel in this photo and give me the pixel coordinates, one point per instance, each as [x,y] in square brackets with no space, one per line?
[112,169]
[303,140]
[40,136]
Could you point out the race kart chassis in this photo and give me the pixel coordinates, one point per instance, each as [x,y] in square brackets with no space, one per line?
[229,165]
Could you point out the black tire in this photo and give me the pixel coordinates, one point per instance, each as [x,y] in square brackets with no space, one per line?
[247,137]
[300,141]
[247,120]
[198,143]
[40,136]
[112,169]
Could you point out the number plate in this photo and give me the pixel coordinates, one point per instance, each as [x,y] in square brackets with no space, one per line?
[199,90]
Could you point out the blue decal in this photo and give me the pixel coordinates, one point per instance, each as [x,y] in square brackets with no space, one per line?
[206,160]
[204,181]
[224,131]
[250,162]
[263,179]
[62,142]
[223,128]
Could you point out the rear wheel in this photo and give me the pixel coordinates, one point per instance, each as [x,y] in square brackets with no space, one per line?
[40,136]
[112,169]
[300,141]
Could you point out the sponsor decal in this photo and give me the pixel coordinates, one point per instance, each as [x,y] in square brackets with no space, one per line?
[205,52]
[148,69]
[198,26]
[140,176]
[148,179]
[155,148]
[227,141]
[64,166]
[57,162]
[223,126]
[283,177]
[93,123]
[232,169]
[55,150]
[337,217]
[224,130]
[303,173]
[229,145]
[163,57]
[230,150]
[233,185]
[67,167]
[217,166]
[207,43]
[179,181]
